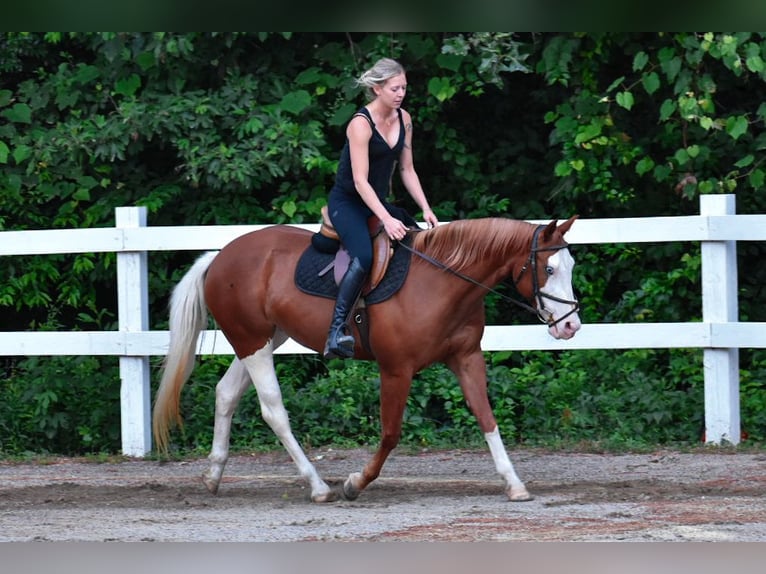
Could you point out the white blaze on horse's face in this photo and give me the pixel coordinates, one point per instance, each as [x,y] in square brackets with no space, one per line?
[559,284]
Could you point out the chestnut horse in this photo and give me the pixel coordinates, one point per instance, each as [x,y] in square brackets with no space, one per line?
[436,316]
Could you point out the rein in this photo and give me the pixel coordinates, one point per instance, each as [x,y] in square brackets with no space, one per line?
[538,293]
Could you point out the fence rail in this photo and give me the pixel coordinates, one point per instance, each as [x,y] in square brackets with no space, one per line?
[720,334]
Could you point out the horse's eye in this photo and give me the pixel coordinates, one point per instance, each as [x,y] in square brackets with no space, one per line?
[549,270]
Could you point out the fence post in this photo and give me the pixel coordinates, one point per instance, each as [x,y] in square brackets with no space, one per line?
[720,305]
[133,315]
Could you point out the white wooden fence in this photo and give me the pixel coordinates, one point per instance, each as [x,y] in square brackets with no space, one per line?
[720,333]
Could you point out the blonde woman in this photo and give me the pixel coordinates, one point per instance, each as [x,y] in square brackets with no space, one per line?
[377,137]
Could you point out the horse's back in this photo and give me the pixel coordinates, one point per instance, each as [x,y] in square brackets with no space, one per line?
[250,278]
[249,251]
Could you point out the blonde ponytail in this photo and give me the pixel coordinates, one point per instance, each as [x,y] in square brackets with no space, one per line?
[381,71]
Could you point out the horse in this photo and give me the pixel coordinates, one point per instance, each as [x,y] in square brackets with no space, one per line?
[436,316]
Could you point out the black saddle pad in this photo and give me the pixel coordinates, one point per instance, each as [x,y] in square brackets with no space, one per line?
[312,262]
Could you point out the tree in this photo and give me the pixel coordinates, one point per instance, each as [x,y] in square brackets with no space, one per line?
[509,124]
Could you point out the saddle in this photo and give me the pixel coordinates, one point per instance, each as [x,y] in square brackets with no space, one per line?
[389,269]
[382,250]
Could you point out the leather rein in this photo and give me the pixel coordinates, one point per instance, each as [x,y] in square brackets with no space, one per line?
[537,292]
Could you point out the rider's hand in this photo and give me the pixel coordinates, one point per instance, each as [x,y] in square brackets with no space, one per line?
[395,229]
[430,218]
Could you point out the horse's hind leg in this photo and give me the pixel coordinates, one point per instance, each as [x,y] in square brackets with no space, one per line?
[260,365]
[228,392]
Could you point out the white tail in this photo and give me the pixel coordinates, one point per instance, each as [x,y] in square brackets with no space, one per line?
[188,317]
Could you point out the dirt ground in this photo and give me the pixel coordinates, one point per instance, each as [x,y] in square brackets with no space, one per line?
[429,496]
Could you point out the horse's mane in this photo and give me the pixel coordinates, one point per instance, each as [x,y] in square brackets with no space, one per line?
[465,241]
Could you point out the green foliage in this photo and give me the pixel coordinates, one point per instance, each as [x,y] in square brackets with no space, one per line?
[591,396]
[328,404]
[437,414]
[232,128]
[627,399]
[753,395]
[61,405]
[684,96]
[339,406]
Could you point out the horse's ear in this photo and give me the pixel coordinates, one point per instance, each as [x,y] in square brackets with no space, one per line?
[564,227]
[549,229]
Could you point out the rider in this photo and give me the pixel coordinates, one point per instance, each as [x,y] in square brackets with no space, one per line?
[378,135]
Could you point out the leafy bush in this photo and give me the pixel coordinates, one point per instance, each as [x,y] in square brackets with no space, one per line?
[63,405]
[601,124]
[753,395]
[633,398]
[594,396]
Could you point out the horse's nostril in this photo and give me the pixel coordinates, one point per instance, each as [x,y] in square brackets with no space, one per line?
[572,327]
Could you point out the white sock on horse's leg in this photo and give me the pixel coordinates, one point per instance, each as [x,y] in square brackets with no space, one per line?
[515,488]
[228,393]
[260,365]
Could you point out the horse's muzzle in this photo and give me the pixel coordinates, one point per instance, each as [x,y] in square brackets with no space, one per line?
[565,327]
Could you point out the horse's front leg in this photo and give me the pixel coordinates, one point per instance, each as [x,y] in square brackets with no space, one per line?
[471,371]
[393,398]
[228,392]
[260,365]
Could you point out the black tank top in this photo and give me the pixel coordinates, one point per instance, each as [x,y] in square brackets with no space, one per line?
[382,158]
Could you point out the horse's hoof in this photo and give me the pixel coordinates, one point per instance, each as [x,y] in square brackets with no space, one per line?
[519,495]
[350,490]
[210,483]
[329,496]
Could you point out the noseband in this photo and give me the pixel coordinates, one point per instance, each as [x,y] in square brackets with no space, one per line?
[537,292]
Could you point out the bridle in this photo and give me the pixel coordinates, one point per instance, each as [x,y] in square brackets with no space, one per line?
[537,292]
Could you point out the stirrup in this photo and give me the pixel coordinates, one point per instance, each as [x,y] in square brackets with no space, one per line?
[343,348]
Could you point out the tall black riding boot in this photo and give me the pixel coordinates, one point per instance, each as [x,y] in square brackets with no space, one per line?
[340,341]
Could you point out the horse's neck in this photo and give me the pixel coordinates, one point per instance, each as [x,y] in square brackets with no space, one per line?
[506,242]
[486,249]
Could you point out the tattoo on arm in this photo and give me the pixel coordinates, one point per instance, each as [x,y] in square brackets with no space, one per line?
[407,128]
